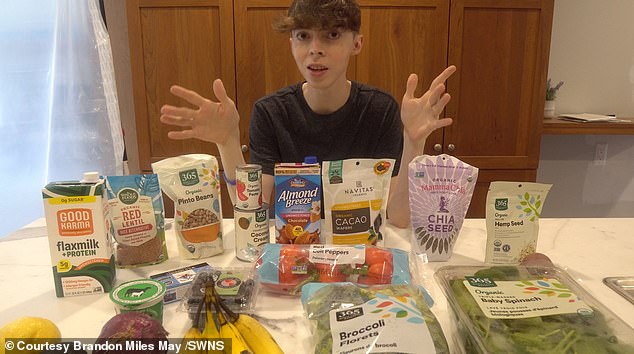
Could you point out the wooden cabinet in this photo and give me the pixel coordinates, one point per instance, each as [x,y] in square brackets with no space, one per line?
[499,46]
[184,42]
[501,49]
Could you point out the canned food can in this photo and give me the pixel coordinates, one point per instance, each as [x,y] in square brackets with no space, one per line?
[251,231]
[249,187]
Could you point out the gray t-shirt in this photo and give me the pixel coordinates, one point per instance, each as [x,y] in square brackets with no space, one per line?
[283,128]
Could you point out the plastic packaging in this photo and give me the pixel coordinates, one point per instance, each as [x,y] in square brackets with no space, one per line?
[355,200]
[237,288]
[178,281]
[512,220]
[529,309]
[136,220]
[347,318]
[193,183]
[284,269]
[440,191]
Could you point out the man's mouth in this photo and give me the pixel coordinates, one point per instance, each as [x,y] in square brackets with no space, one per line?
[317,67]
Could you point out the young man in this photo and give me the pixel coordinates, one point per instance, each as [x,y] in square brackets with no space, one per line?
[327,116]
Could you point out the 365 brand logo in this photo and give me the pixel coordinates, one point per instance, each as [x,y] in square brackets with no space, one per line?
[189,177]
[260,216]
[501,204]
[349,314]
[481,282]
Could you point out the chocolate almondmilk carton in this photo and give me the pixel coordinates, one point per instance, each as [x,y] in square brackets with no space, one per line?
[297,203]
[81,250]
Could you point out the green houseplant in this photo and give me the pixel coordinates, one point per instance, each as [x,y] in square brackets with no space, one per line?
[551,95]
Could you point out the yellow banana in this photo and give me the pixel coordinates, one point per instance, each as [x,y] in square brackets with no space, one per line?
[228,330]
[238,344]
[211,330]
[256,335]
[191,335]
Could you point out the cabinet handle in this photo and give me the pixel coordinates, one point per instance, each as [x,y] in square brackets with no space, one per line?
[244,148]
[438,147]
[451,147]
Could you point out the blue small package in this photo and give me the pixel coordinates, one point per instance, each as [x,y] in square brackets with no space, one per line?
[178,281]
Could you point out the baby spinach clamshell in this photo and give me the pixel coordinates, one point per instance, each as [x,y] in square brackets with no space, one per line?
[529,309]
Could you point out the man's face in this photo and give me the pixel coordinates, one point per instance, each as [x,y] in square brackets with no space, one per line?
[322,56]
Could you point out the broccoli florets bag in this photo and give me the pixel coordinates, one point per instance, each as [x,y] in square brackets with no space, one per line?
[390,319]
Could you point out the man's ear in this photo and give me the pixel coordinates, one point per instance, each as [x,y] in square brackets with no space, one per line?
[358,44]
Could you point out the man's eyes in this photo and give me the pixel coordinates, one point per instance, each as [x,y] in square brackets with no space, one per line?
[302,35]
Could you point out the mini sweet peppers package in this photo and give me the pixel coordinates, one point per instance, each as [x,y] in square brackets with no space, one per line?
[285,268]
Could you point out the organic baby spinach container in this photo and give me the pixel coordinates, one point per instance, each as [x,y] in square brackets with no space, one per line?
[142,295]
[529,309]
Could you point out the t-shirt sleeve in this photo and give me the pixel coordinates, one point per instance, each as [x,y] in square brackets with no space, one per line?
[263,147]
[391,138]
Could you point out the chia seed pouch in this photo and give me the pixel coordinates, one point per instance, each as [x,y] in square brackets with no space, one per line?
[193,183]
[355,200]
[440,191]
[512,219]
[136,220]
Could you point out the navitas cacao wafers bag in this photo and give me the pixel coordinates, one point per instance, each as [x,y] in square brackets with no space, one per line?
[355,200]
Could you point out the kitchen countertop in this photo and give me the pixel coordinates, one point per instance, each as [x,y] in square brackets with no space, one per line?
[589,249]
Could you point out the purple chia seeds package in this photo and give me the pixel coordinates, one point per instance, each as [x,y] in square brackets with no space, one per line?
[440,190]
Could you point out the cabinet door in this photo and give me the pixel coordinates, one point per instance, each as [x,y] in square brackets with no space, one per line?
[402,37]
[184,42]
[501,50]
[264,63]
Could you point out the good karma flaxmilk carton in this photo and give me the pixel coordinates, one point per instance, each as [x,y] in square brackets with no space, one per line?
[81,250]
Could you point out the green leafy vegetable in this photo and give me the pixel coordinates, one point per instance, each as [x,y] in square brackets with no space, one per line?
[556,334]
[337,296]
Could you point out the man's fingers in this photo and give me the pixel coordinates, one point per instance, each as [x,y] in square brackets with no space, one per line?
[412,82]
[174,120]
[180,135]
[178,111]
[435,94]
[443,76]
[188,95]
[220,92]
[441,123]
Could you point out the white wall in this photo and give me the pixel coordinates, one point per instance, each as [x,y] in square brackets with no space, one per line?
[592,50]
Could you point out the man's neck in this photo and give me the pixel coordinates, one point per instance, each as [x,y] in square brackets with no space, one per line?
[326,101]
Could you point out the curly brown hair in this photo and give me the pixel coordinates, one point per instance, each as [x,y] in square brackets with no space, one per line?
[321,14]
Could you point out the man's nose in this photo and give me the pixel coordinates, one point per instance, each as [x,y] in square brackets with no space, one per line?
[316,47]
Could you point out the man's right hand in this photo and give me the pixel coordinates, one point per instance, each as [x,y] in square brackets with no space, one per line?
[216,122]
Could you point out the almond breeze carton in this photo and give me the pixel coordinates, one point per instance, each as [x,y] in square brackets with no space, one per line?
[297,203]
[81,250]
[440,190]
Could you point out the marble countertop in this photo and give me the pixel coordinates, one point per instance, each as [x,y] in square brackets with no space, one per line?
[589,249]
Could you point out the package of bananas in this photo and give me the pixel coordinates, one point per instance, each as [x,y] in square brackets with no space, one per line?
[236,288]
[246,335]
